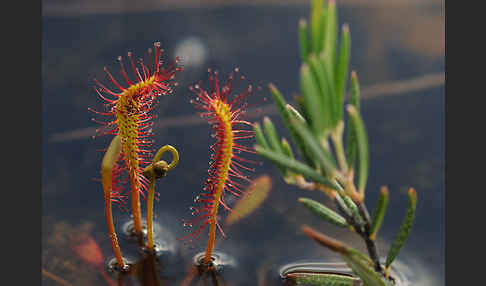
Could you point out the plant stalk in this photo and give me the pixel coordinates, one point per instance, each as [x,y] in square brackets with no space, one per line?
[136,209]
[212,236]
[155,171]
[150,215]
[370,244]
[111,231]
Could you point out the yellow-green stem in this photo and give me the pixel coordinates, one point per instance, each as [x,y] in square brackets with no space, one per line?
[150,198]
[111,231]
[150,215]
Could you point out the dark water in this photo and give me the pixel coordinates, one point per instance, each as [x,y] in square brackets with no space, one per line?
[406,134]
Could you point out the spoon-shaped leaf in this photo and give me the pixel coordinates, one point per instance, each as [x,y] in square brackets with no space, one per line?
[252,198]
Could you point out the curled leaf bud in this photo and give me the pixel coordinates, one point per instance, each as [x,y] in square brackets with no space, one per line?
[160,169]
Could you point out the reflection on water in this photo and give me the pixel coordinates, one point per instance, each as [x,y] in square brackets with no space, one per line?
[405,131]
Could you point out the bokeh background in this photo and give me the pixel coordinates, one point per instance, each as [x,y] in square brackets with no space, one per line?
[397,50]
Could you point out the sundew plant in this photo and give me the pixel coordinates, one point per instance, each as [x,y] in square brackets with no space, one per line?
[329,134]
[130,120]
[227,166]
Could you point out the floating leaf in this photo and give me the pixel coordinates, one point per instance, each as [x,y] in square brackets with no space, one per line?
[252,198]
[357,261]
[295,166]
[379,212]
[405,228]
[323,279]
[324,212]
[362,142]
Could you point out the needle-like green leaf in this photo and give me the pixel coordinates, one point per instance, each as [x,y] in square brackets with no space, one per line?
[316,25]
[285,114]
[324,212]
[273,141]
[328,71]
[325,159]
[287,150]
[342,70]
[379,212]
[405,228]
[295,166]
[294,112]
[351,142]
[259,137]
[362,143]
[311,99]
[321,77]
[343,206]
[354,210]
[272,136]
[299,100]
[303,43]
[329,41]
